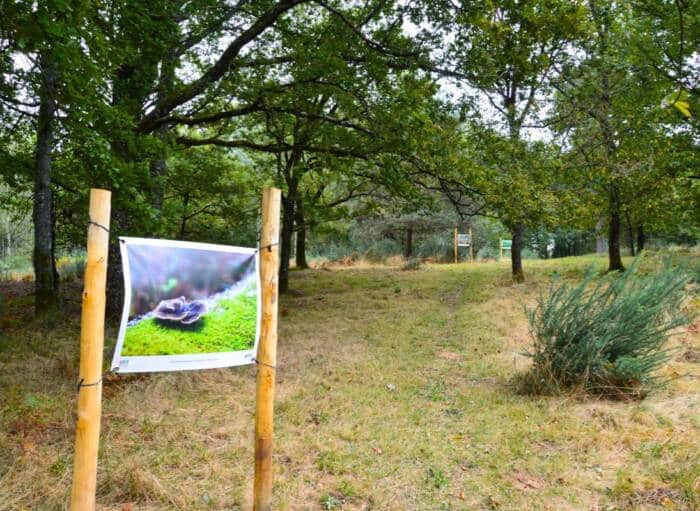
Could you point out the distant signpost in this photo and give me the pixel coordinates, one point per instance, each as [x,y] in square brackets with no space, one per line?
[506,245]
[463,240]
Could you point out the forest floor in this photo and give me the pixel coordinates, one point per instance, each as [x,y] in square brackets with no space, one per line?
[393,394]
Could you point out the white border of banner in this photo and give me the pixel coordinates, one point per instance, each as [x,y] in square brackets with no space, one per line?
[157,363]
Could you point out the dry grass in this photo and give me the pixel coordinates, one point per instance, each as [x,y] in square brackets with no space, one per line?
[393,394]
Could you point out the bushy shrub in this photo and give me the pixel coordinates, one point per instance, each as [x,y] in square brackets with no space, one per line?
[71,268]
[605,335]
[379,250]
[412,264]
[439,247]
[488,252]
[13,266]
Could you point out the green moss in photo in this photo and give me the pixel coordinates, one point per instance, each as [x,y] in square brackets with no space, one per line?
[230,326]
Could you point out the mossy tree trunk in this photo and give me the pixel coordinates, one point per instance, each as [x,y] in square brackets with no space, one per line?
[516,259]
[641,237]
[288,208]
[614,231]
[300,226]
[45,274]
[408,249]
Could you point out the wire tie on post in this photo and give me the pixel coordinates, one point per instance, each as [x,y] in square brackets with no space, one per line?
[268,247]
[81,384]
[92,222]
[264,364]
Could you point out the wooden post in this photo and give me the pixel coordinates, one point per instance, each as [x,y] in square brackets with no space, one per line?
[455,246]
[87,431]
[500,247]
[471,246]
[267,349]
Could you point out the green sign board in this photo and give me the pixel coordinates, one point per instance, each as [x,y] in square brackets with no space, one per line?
[506,244]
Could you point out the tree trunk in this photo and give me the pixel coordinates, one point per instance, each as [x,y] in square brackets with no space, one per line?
[299,220]
[289,172]
[45,275]
[115,272]
[408,252]
[183,220]
[630,234]
[641,238]
[614,257]
[516,253]
[286,235]
[159,167]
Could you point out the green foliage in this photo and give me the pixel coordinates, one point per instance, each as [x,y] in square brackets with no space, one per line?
[229,328]
[412,264]
[605,335]
[436,478]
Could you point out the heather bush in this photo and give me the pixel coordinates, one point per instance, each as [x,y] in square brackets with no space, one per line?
[605,334]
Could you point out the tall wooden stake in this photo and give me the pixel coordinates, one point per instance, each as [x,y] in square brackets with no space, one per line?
[456,247]
[471,246]
[87,431]
[267,349]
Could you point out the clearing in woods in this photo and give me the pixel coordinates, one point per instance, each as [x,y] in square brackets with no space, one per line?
[392,394]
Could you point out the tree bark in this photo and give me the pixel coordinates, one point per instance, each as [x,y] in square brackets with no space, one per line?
[408,252]
[45,274]
[286,235]
[115,272]
[630,234]
[641,237]
[614,256]
[183,220]
[299,220]
[159,166]
[516,253]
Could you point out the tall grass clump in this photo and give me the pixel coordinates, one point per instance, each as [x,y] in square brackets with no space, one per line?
[605,335]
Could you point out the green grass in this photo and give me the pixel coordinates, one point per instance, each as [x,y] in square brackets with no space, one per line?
[393,393]
[230,327]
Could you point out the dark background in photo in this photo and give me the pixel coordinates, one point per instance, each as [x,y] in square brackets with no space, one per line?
[161,273]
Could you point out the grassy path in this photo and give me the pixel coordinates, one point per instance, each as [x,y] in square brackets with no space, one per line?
[393,394]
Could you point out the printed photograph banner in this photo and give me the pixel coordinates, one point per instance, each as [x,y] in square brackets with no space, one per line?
[187,306]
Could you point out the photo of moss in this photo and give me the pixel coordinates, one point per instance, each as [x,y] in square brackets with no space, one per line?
[229,328]
[186,299]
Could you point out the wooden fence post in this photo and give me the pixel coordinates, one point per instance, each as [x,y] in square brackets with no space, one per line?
[267,349]
[471,246]
[455,246]
[87,431]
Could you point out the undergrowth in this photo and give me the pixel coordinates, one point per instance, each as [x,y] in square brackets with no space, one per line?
[605,335]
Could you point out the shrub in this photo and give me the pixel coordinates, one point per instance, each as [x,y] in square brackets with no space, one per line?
[412,264]
[605,335]
[488,252]
[71,268]
[438,246]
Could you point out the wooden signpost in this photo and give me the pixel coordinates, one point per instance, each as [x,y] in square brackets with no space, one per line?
[471,246]
[267,349]
[87,434]
[456,246]
[463,240]
[505,245]
[87,431]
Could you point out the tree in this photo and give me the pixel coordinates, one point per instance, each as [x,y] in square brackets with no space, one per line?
[43,48]
[609,112]
[507,52]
